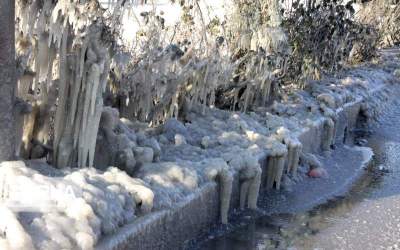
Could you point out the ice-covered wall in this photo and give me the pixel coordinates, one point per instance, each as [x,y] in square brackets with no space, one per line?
[262,134]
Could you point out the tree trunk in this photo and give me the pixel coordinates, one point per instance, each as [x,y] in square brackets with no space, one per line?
[7,79]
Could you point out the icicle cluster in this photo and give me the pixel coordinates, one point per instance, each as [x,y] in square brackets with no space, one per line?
[63,48]
[173,69]
[327,106]
[82,81]
[294,147]
[218,168]
[276,163]
[250,176]
[166,82]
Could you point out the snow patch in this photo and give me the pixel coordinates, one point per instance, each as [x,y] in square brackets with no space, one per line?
[67,212]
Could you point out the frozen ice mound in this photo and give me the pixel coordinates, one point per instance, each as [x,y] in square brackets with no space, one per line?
[65,210]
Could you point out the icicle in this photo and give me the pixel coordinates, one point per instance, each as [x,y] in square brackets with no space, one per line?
[294,150]
[42,58]
[250,176]
[247,97]
[249,189]
[77,84]
[254,189]
[329,133]
[219,169]
[266,88]
[280,164]
[60,116]
[86,82]
[226,179]
[88,115]
[60,34]
[276,164]
[21,110]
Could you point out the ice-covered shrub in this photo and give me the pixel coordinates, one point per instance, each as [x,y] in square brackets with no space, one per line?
[170,76]
[384,16]
[324,35]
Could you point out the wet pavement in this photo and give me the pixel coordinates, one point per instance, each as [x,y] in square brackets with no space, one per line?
[284,215]
[374,223]
[294,230]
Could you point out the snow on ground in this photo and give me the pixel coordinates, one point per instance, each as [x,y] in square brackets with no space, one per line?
[63,210]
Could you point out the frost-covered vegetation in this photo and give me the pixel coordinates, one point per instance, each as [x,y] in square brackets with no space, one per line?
[180,106]
[384,17]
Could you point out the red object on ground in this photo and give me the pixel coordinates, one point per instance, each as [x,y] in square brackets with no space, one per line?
[318,173]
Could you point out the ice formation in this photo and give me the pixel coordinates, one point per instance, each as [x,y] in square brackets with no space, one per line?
[169,76]
[268,35]
[236,139]
[249,175]
[329,134]
[327,106]
[76,127]
[397,73]
[311,160]
[64,52]
[69,211]
[276,163]
[218,170]
[170,181]
[294,150]
[328,99]
[66,49]
[173,181]
[12,234]
[118,145]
